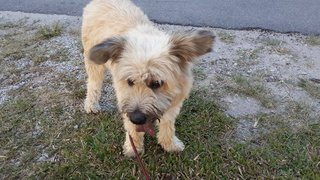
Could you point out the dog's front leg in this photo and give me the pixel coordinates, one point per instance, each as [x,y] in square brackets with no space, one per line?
[166,135]
[94,84]
[137,137]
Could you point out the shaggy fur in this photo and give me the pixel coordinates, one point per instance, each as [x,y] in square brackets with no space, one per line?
[151,69]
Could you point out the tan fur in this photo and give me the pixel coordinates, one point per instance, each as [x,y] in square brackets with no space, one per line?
[116,35]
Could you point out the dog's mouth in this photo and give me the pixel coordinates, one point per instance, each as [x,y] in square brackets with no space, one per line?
[148,128]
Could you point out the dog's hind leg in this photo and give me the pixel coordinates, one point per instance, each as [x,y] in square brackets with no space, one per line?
[166,135]
[94,84]
[137,137]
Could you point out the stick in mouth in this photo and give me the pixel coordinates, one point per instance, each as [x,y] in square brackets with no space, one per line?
[147,128]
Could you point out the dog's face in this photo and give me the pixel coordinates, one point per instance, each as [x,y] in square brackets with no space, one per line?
[151,70]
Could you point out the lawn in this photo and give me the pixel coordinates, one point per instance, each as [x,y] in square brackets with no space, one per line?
[45,133]
[89,146]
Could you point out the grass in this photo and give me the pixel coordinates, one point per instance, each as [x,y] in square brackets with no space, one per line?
[226,37]
[312,88]
[10,25]
[248,57]
[41,55]
[298,111]
[281,154]
[267,41]
[79,93]
[275,45]
[27,48]
[31,46]
[281,50]
[76,32]
[15,46]
[199,74]
[46,135]
[47,32]
[312,40]
[89,146]
[94,149]
[251,88]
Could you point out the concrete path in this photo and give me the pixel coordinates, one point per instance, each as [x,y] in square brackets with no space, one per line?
[283,16]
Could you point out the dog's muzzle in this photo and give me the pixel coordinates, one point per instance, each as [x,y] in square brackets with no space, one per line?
[137,117]
[143,122]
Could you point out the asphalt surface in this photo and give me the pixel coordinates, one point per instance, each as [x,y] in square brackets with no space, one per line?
[278,15]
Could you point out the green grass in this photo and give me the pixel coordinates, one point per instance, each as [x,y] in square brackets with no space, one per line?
[25,46]
[89,146]
[252,88]
[199,74]
[8,25]
[312,88]
[47,32]
[281,154]
[94,149]
[298,111]
[79,93]
[226,37]
[46,135]
[275,45]
[15,46]
[11,25]
[267,41]
[313,40]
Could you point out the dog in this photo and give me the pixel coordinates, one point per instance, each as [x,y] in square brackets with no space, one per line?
[151,69]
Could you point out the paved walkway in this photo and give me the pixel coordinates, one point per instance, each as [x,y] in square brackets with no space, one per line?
[278,15]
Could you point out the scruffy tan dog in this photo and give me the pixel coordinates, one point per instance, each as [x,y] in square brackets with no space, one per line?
[151,69]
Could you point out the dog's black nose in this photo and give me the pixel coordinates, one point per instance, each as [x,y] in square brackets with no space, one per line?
[137,117]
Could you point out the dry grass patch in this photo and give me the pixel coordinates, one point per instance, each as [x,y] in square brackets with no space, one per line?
[248,57]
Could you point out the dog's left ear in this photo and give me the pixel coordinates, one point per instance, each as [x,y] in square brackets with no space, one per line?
[187,46]
[111,48]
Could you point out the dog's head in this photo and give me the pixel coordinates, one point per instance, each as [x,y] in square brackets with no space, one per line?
[151,70]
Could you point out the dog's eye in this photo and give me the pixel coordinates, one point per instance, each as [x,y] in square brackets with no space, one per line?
[130,82]
[156,84]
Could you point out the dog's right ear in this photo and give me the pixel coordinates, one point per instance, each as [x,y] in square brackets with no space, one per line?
[189,45]
[110,49]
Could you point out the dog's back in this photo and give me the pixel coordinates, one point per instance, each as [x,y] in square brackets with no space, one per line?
[106,18]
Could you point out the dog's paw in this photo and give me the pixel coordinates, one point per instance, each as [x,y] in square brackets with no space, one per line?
[129,152]
[91,108]
[175,145]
